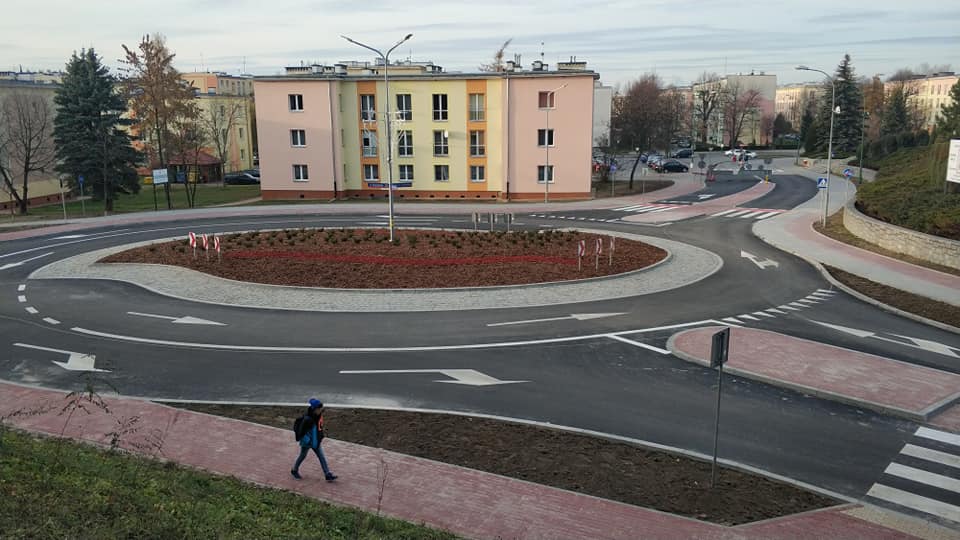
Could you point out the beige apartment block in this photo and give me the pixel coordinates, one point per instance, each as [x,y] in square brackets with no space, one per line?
[765,85]
[226,106]
[928,95]
[793,99]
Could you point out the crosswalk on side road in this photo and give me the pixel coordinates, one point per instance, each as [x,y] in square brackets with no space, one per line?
[924,478]
[748,213]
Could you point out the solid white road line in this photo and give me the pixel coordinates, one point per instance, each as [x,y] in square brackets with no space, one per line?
[21,288]
[764,314]
[928,454]
[639,344]
[725,212]
[50,320]
[924,477]
[31,310]
[936,435]
[916,502]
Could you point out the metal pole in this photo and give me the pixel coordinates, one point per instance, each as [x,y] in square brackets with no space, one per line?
[826,192]
[63,201]
[863,124]
[546,141]
[83,207]
[716,429]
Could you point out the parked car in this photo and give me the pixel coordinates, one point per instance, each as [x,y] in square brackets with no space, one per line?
[682,153]
[654,160]
[242,177]
[740,152]
[672,166]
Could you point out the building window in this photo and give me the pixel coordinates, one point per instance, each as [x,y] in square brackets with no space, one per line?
[241,133]
[369,143]
[404,107]
[298,137]
[478,173]
[477,144]
[368,107]
[542,171]
[439,106]
[406,173]
[441,146]
[546,100]
[296,102]
[371,173]
[478,104]
[242,156]
[300,173]
[441,173]
[544,137]
[223,111]
[405,144]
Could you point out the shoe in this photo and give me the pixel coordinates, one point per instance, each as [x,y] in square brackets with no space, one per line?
[296,475]
[331,477]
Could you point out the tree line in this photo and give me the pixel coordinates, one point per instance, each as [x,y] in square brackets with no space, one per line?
[100,127]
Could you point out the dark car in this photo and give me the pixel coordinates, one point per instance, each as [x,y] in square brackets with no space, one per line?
[672,166]
[247,177]
[683,153]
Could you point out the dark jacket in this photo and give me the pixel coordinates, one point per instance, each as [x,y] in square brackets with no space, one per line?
[312,430]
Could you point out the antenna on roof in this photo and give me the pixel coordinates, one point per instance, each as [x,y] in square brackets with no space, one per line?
[244,68]
[541,51]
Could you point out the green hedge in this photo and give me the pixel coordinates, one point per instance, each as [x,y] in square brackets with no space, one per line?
[909,192]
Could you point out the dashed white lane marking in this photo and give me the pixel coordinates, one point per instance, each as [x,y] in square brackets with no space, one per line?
[916,502]
[21,288]
[22,299]
[639,344]
[31,310]
[929,454]
[937,435]
[51,320]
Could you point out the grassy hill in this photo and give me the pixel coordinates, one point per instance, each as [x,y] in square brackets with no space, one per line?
[909,192]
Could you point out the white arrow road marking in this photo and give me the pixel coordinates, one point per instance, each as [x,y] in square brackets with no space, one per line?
[468,377]
[761,263]
[577,316]
[11,265]
[75,361]
[178,320]
[916,343]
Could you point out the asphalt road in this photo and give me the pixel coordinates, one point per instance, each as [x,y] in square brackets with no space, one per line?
[598,384]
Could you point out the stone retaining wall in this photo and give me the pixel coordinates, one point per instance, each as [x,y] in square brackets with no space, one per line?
[942,251]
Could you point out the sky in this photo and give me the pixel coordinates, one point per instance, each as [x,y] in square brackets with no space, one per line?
[620,39]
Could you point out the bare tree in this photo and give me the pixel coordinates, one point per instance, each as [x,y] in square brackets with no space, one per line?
[218,122]
[707,97]
[497,64]
[26,142]
[737,108]
[675,114]
[188,136]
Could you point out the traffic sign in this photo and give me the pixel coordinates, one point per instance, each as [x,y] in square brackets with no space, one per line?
[720,347]
[160,176]
[701,164]
[613,167]
[848,173]
[822,182]
[80,180]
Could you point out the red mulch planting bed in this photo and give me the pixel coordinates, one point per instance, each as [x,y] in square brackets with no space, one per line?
[366,259]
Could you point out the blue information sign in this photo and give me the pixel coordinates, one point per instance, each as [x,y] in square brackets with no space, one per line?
[822,182]
[80,180]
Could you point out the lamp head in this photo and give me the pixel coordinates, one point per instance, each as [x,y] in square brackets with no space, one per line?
[803,68]
[408,36]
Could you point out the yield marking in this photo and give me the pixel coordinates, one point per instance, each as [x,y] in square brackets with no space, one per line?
[732,320]
[937,435]
[788,308]
[178,320]
[467,377]
[806,301]
[928,454]
[826,291]
[577,316]
[764,314]
[916,343]
[748,317]
[11,265]
[775,310]
[638,344]
[75,362]
[761,263]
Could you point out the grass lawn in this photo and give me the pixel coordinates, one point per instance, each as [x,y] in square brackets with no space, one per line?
[207,195]
[61,489]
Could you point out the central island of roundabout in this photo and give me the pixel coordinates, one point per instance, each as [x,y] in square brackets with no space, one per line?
[348,270]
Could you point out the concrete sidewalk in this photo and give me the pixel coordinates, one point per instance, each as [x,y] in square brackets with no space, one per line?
[466,502]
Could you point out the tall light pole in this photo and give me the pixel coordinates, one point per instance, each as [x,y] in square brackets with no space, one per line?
[833,110]
[389,126]
[547,173]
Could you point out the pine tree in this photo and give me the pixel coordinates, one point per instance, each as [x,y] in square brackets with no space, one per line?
[87,130]
[895,118]
[846,123]
[948,121]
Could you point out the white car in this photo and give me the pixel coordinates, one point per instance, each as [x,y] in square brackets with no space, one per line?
[740,152]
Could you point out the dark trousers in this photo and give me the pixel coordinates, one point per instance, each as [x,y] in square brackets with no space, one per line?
[304,450]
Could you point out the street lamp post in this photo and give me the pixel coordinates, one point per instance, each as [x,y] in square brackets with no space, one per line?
[863,124]
[389,137]
[833,110]
[547,173]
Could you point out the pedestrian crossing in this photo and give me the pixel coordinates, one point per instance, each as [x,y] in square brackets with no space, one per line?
[924,478]
[815,298]
[650,208]
[748,213]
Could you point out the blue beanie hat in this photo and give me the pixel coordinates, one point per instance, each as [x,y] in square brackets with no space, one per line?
[315,403]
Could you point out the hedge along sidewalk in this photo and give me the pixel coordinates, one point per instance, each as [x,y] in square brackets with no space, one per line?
[463,501]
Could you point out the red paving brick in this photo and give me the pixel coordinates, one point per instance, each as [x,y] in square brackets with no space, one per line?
[470,503]
[948,419]
[832,372]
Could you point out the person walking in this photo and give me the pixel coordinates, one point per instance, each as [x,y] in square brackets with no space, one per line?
[311,438]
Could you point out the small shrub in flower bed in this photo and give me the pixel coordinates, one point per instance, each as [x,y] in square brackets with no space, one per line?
[366,259]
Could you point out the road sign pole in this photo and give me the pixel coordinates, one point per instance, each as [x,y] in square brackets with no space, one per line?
[719,350]
[716,428]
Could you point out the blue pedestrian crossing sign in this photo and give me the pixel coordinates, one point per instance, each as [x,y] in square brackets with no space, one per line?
[613,167]
[822,182]
[848,173]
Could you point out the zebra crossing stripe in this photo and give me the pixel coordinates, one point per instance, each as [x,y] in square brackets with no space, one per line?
[929,454]
[739,213]
[806,301]
[750,215]
[659,210]
[748,317]
[733,320]
[916,502]
[826,291]
[761,313]
[936,435]
[768,214]
[775,310]
[924,477]
[718,214]
[634,208]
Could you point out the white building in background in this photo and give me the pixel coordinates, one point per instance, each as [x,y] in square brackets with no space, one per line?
[602,101]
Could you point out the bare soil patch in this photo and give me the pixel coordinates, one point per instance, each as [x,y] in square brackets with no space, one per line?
[366,259]
[598,467]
